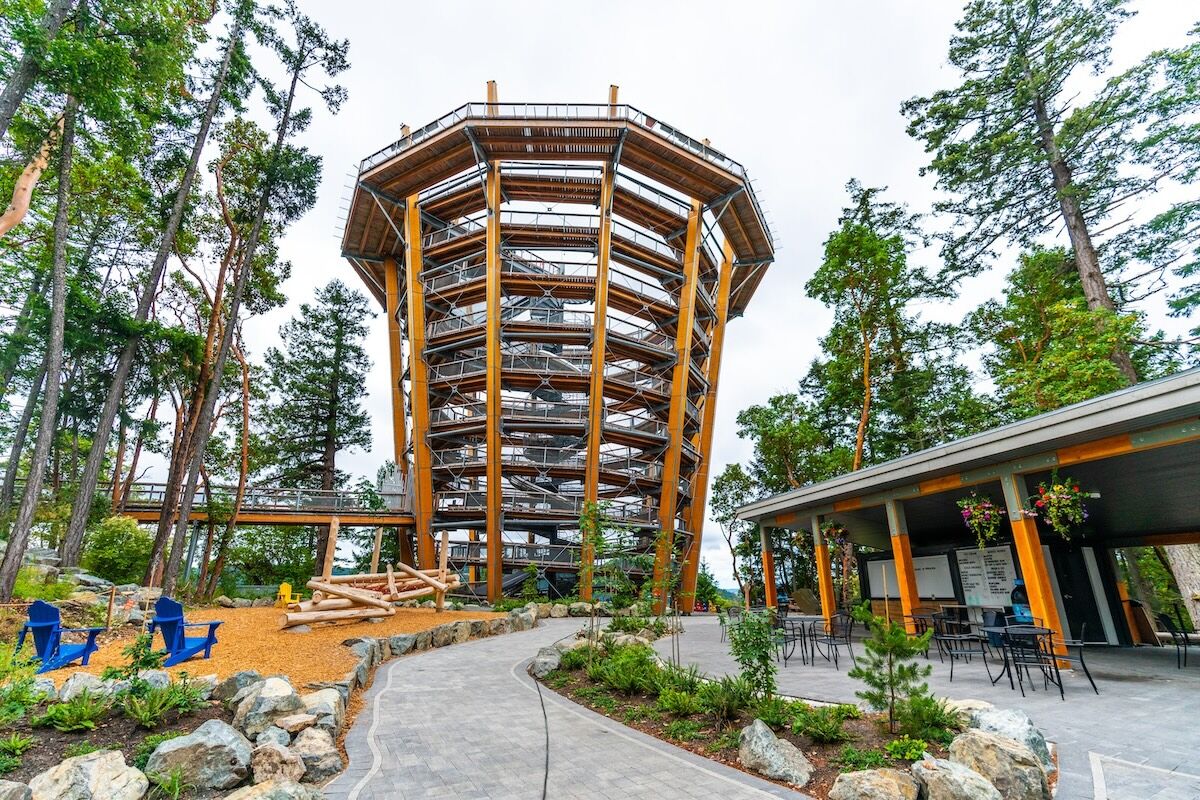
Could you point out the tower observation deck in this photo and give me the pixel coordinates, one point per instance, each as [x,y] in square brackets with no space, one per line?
[556,280]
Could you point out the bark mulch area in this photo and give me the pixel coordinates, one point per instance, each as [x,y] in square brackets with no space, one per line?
[249,638]
[704,738]
[114,732]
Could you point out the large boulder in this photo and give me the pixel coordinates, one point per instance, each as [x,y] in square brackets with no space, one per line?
[443,635]
[270,762]
[547,661]
[266,702]
[102,775]
[228,688]
[762,752]
[328,708]
[402,643]
[947,780]
[558,611]
[157,678]
[1016,725]
[276,790]
[214,756]
[320,755]
[968,707]
[82,682]
[579,609]
[1010,766]
[294,723]
[875,784]
[273,735]
[10,790]
[44,688]
[462,631]
[498,626]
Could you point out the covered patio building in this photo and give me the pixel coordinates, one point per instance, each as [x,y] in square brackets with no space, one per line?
[1136,452]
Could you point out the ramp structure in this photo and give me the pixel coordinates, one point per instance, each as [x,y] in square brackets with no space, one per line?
[556,279]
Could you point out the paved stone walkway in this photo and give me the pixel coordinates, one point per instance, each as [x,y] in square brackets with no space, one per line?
[466,722]
[1135,741]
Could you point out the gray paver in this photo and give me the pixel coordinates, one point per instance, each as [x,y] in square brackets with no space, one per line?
[467,722]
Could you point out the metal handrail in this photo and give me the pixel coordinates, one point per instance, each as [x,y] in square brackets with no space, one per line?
[267,498]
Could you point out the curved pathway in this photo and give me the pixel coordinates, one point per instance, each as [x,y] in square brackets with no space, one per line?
[467,722]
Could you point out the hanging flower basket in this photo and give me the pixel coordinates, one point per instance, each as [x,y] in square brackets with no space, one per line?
[835,532]
[1060,503]
[982,517]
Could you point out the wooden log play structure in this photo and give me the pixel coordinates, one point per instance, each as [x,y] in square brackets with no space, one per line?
[368,595]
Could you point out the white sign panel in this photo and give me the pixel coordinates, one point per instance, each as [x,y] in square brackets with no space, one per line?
[986,575]
[933,578]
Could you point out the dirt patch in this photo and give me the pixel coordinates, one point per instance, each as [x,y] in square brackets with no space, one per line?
[249,639]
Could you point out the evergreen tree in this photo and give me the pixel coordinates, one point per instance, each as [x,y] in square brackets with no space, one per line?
[888,669]
[318,380]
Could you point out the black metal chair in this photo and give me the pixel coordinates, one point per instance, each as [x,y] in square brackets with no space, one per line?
[833,634]
[1178,637]
[790,633]
[1077,656]
[1027,648]
[918,624]
[732,616]
[958,644]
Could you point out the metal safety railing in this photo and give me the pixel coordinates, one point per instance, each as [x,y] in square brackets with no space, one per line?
[397,497]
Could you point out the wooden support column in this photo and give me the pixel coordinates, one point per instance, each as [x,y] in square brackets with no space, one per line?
[375,551]
[495,497]
[824,571]
[596,410]
[330,548]
[419,374]
[906,577]
[768,562]
[697,510]
[1033,562]
[391,280]
[679,383]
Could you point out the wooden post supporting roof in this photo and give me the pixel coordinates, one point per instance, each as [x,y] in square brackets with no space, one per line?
[768,564]
[906,576]
[1033,562]
[596,410]
[824,571]
[391,280]
[495,497]
[696,511]
[675,421]
[419,374]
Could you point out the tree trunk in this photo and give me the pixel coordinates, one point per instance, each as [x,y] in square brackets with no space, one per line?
[1185,566]
[27,68]
[127,487]
[11,357]
[1095,289]
[73,542]
[18,537]
[19,435]
[860,437]
[22,194]
[329,456]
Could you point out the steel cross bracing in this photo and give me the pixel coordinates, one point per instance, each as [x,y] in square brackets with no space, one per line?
[556,316]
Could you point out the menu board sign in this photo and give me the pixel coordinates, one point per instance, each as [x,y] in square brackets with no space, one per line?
[986,575]
[932,573]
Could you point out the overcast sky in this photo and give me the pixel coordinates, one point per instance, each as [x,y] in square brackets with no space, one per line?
[805,94]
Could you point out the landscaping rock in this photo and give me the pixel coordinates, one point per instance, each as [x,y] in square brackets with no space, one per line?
[157,678]
[321,760]
[497,627]
[428,604]
[476,607]
[102,775]
[969,707]
[83,579]
[779,759]
[136,616]
[603,609]
[298,629]
[479,627]
[946,780]
[875,784]
[206,684]
[462,631]
[214,756]
[85,597]
[271,762]
[82,682]
[544,610]
[224,602]
[424,639]
[263,602]
[9,790]
[547,661]
[273,735]
[275,790]
[1010,766]
[558,611]
[1016,725]
[579,609]
[328,707]
[265,703]
[242,602]
[228,688]
[402,644]
[44,687]
[443,635]
[294,723]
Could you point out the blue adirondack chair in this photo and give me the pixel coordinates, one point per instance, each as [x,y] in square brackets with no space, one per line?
[168,618]
[45,623]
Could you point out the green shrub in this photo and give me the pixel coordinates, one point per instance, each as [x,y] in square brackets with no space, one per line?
[639,713]
[679,704]
[752,642]
[79,749]
[848,711]
[578,657]
[629,670]
[15,744]
[557,679]
[924,716]
[682,730]
[8,763]
[140,657]
[822,725]
[170,786]
[889,668]
[680,678]
[851,759]
[141,753]
[31,586]
[634,624]
[17,675]
[725,698]
[118,550]
[80,713]
[906,749]
[150,707]
[728,740]
[185,694]
[775,711]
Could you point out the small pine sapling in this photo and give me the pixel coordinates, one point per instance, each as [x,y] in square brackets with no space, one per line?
[889,669]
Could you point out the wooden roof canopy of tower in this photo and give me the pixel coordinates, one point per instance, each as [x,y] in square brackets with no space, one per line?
[538,132]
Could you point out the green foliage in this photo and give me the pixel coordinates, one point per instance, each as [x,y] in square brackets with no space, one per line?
[638,714]
[634,624]
[17,676]
[851,759]
[682,730]
[629,670]
[140,656]
[848,711]
[80,713]
[268,555]
[678,678]
[905,749]
[775,711]
[9,763]
[529,587]
[15,744]
[923,716]
[144,748]
[724,699]
[889,668]
[30,586]
[597,697]
[729,740]
[185,695]
[823,725]
[150,707]
[707,590]
[577,657]
[118,549]
[557,679]
[679,704]
[752,642]
[170,786]
[79,749]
